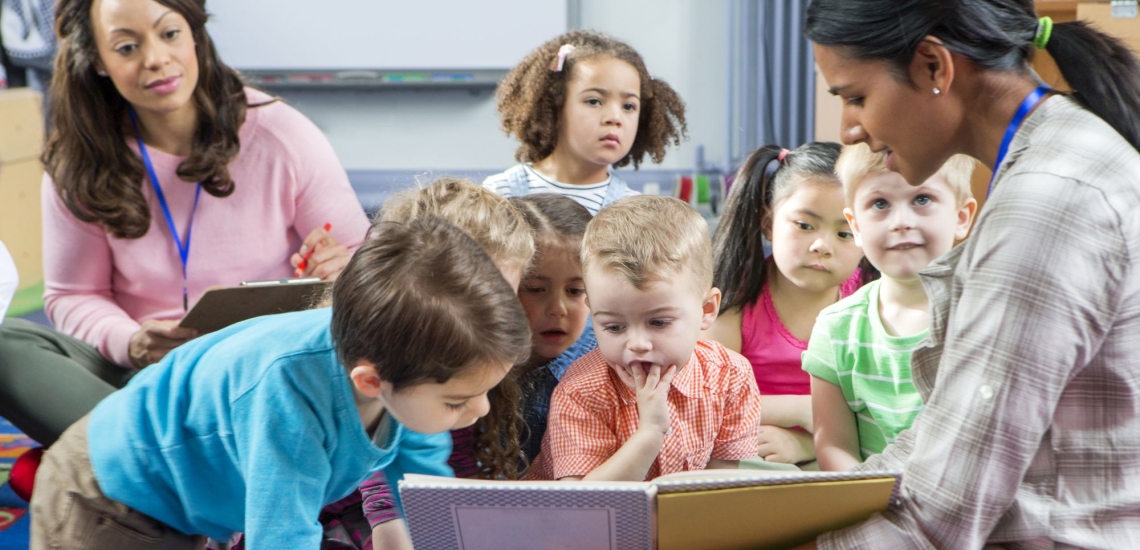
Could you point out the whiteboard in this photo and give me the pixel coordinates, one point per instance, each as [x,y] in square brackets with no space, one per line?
[287,35]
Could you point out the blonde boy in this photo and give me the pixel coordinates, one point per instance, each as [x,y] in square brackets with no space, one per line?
[860,347]
[651,400]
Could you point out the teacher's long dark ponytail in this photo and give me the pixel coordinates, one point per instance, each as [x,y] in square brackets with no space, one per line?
[995,34]
[1103,73]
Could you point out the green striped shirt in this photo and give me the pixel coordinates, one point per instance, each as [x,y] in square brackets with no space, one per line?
[849,347]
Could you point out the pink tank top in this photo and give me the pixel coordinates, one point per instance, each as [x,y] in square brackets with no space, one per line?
[772,350]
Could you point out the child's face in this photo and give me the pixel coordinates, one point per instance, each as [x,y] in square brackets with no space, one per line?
[902,228]
[600,116]
[812,243]
[657,325]
[432,407]
[554,298]
[148,52]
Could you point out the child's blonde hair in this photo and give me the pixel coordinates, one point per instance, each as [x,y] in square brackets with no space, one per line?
[531,97]
[647,237]
[857,162]
[489,218]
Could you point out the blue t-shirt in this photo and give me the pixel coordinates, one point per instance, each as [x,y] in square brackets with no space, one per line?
[253,428]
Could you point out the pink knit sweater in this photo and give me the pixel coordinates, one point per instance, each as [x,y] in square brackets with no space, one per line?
[288,181]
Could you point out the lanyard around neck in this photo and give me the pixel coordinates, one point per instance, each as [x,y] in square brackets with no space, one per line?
[183,249]
[1027,105]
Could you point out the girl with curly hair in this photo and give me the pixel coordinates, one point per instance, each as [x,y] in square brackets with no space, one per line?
[579,104]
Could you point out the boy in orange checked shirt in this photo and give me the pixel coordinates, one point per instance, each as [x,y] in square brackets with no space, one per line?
[652,399]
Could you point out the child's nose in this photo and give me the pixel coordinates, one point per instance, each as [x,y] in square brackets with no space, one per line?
[556,307]
[613,115]
[639,341]
[480,406]
[903,219]
[821,246]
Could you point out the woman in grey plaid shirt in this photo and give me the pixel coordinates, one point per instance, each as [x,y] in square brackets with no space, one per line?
[1031,375]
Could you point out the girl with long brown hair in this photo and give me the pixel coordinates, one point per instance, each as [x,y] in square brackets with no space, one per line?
[165,177]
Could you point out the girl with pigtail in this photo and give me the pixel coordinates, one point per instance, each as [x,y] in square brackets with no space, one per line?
[794,200]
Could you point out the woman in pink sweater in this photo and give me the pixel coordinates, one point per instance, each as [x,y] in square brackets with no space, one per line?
[165,177]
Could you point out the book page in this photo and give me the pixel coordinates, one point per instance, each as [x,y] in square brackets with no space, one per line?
[577,528]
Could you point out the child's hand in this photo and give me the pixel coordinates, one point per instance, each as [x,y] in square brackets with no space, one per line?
[784,445]
[652,388]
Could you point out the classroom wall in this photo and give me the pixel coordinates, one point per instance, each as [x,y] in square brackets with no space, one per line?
[682,42]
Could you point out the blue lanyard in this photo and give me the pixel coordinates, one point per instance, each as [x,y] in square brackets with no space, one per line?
[183,249]
[1027,105]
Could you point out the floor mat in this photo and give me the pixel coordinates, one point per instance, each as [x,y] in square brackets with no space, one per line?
[14,520]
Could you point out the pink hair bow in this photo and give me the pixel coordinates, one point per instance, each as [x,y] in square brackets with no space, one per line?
[560,59]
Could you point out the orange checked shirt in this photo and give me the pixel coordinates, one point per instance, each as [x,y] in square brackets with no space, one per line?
[714,412]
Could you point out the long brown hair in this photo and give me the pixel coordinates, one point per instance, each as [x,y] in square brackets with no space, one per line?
[498,436]
[95,172]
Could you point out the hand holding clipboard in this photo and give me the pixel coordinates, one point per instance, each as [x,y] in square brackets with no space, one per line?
[320,255]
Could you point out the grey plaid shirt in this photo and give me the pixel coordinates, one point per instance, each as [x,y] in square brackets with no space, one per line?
[1031,376]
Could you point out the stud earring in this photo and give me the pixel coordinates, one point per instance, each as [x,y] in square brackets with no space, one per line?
[937,90]
[101,73]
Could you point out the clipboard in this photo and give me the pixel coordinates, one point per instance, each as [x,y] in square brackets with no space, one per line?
[221,307]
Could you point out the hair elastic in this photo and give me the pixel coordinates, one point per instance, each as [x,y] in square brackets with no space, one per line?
[1044,31]
[770,170]
[560,58]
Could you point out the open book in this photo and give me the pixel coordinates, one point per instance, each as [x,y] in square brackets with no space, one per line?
[709,509]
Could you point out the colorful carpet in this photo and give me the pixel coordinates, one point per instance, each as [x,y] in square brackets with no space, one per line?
[14,520]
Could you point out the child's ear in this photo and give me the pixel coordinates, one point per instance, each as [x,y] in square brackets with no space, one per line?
[766,225]
[965,219]
[366,380]
[710,308]
[850,215]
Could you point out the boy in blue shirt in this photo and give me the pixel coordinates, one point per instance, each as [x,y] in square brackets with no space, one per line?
[255,427]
